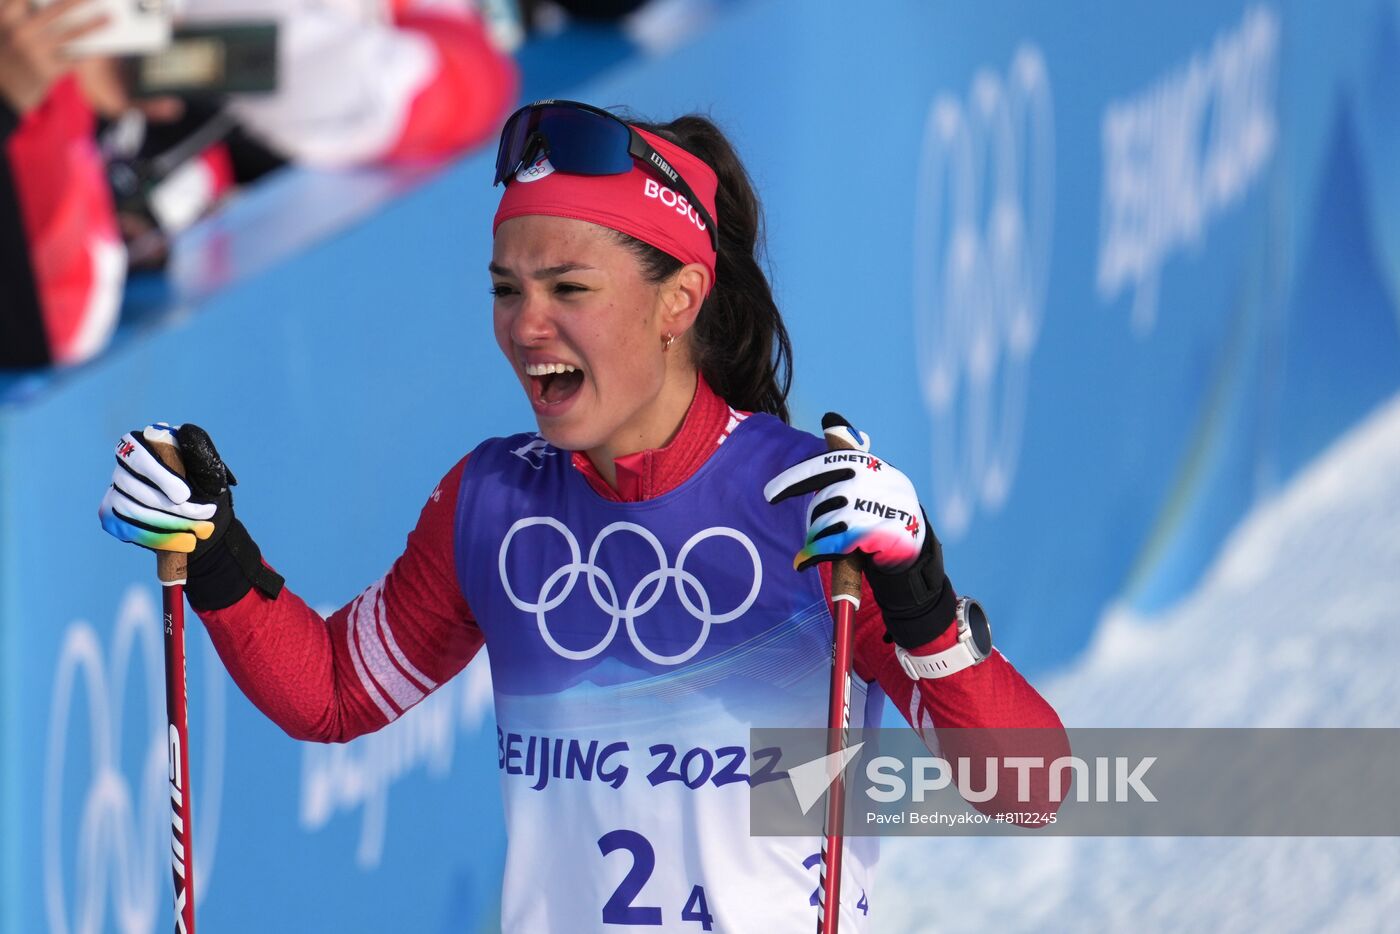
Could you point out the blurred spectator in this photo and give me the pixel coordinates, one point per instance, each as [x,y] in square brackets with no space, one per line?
[364,81]
[360,82]
[62,265]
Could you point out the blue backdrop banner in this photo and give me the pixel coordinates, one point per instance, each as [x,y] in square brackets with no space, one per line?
[1099,277]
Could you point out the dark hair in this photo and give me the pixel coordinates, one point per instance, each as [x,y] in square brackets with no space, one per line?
[740,344]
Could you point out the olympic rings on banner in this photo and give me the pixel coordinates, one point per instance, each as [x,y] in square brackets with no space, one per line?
[642,597]
[983,222]
[121,826]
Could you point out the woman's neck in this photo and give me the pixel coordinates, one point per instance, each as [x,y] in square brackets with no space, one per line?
[659,430]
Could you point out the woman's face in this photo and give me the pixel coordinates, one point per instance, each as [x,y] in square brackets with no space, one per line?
[583,331]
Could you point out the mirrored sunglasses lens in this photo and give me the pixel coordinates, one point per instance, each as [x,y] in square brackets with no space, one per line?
[585,143]
[513,138]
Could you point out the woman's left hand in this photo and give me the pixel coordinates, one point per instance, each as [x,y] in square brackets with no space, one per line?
[862,504]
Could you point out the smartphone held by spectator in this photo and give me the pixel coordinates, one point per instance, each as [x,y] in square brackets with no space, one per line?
[129,27]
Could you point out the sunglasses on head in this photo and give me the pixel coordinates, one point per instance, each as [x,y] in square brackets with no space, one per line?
[582,140]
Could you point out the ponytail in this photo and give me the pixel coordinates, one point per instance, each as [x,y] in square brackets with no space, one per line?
[738,342]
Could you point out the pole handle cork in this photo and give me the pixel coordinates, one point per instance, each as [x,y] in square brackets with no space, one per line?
[171,566]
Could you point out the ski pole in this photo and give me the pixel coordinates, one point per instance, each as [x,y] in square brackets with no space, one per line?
[171,568]
[845,597]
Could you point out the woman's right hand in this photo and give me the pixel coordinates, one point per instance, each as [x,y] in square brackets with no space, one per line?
[149,505]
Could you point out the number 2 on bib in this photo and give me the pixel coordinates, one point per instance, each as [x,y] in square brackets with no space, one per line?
[619,908]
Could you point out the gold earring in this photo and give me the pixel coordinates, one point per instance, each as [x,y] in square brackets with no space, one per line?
[666,341]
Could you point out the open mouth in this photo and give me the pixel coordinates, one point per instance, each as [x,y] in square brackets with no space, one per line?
[553,383]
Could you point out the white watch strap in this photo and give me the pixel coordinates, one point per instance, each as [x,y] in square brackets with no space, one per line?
[940,665]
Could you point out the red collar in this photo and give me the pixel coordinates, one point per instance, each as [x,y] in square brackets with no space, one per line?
[648,474]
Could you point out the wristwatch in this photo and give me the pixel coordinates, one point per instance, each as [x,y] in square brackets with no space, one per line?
[973,646]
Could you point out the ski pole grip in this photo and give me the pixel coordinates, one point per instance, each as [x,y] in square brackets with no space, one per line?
[171,566]
[845,572]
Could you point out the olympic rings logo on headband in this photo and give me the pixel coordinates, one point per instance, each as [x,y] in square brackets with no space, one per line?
[121,837]
[642,597]
[982,230]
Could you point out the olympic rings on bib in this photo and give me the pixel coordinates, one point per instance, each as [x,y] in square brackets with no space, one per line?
[643,596]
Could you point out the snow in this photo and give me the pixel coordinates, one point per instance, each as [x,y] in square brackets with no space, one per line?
[1296,623]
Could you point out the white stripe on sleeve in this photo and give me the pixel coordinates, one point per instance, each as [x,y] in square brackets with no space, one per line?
[352,640]
[386,633]
[402,691]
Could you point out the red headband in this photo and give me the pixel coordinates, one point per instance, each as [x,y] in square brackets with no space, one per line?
[635,203]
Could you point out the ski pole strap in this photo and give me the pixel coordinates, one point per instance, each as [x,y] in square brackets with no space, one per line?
[220,577]
[919,604]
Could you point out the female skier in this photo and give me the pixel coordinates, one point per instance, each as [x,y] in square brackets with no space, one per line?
[630,565]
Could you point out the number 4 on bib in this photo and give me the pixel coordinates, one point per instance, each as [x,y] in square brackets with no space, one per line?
[697,910]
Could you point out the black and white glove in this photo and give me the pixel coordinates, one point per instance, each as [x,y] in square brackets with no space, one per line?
[151,506]
[864,505]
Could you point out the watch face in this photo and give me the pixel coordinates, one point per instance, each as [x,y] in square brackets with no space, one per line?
[979,627]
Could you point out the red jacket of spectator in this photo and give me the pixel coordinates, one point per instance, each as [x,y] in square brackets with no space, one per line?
[64,264]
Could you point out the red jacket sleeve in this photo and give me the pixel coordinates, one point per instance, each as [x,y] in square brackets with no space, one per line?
[334,679]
